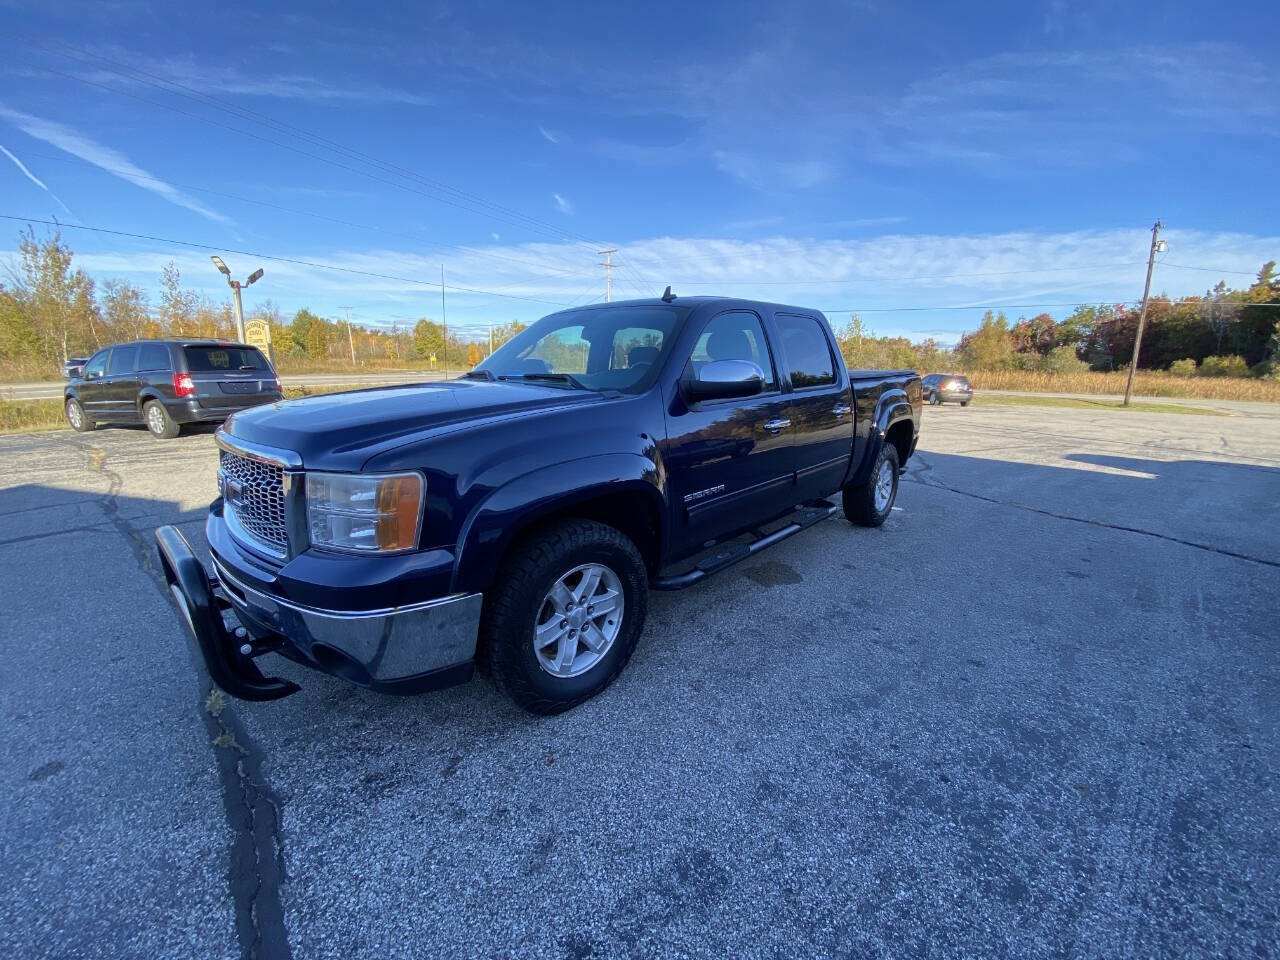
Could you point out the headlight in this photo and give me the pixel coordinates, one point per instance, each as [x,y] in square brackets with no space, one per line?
[365,513]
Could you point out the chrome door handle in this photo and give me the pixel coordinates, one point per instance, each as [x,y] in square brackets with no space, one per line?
[776,426]
[841,410]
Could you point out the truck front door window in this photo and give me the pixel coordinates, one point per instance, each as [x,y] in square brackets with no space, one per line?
[736,335]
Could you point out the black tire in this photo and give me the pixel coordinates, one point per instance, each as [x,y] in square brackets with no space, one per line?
[159,424]
[76,417]
[512,608]
[934,400]
[860,502]
[964,403]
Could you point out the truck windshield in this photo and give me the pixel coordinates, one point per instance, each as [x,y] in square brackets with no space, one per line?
[609,347]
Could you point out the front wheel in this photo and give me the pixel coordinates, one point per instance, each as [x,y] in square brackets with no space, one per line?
[964,403]
[565,616]
[76,416]
[869,504]
[934,400]
[161,425]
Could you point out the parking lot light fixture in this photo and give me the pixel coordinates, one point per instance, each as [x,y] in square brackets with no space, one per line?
[236,286]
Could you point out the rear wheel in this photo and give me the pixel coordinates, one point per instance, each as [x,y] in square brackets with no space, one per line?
[869,504]
[159,422]
[76,416]
[565,616]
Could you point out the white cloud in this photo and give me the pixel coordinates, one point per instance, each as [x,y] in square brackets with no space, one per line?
[769,173]
[877,276]
[210,78]
[547,135]
[36,180]
[114,162]
[562,204]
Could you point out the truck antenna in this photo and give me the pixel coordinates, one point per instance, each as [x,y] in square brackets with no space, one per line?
[668,296]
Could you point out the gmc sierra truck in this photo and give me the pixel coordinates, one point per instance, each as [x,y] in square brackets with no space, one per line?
[520,515]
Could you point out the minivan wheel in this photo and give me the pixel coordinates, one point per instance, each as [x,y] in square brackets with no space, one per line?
[869,505]
[159,422]
[76,416]
[565,616]
[934,400]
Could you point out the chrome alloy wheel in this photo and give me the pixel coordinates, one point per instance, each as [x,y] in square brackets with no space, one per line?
[579,619]
[884,486]
[75,415]
[155,418]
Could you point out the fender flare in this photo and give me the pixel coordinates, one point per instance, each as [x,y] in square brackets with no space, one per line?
[495,523]
[892,408]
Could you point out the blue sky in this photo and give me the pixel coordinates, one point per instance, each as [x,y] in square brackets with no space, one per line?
[895,159]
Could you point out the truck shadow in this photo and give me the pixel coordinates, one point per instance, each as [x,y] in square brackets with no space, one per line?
[1229,507]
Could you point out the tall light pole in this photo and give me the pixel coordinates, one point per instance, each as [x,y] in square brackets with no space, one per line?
[1157,246]
[235,286]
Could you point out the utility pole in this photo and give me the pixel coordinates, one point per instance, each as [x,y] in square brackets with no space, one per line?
[491,338]
[1157,245]
[350,340]
[444,322]
[608,272]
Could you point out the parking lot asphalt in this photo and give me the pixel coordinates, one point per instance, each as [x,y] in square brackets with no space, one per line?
[1033,715]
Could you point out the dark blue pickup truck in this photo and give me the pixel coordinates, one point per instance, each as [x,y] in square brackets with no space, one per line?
[520,515]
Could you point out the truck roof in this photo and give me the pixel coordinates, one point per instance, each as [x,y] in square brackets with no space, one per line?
[696,301]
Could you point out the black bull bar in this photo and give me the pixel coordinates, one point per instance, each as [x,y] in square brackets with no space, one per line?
[201,609]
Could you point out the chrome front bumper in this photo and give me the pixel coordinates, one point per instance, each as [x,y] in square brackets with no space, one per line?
[387,649]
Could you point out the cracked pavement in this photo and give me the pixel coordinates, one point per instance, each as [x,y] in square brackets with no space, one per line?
[1034,715]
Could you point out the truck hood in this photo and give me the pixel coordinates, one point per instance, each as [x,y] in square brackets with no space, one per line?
[328,429]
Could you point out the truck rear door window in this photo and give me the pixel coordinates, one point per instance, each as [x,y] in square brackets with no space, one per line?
[807,350]
[219,359]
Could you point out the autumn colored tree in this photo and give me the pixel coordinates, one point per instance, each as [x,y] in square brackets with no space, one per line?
[989,347]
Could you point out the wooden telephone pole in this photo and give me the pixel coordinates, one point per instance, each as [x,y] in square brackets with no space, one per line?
[1156,245]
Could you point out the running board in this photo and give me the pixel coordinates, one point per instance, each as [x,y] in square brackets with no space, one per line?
[730,553]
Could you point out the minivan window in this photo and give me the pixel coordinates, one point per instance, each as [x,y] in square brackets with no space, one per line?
[153,356]
[808,354]
[96,366]
[219,359]
[123,360]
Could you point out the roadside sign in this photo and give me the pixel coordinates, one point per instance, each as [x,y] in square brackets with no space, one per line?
[257,333]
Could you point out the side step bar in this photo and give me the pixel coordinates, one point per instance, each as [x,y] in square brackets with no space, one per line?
[730,553]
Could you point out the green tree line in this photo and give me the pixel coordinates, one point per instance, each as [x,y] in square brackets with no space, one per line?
[51,310]
[1223,332]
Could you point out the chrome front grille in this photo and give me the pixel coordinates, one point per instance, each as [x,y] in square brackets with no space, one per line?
[254,491]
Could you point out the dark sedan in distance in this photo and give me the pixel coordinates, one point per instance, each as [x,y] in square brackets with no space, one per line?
[947,387]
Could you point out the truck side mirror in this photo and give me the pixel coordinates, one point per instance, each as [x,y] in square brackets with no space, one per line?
[723,379]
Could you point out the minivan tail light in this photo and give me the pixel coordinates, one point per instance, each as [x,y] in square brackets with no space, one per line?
[182,385]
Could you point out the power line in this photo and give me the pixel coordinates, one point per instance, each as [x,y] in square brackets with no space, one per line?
[434,244]
[941,276]
[165,84]
[267,256]
[1185,266]
[559,235]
